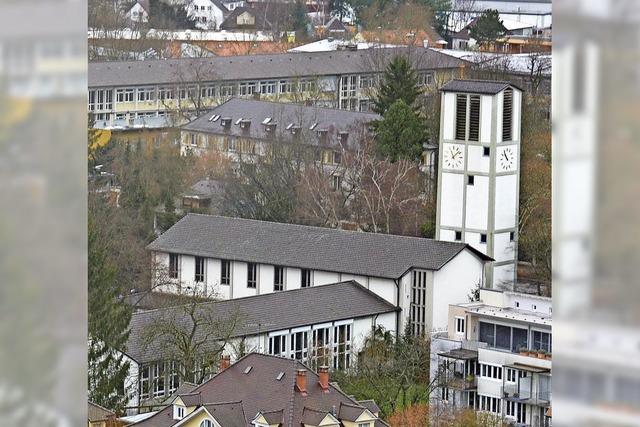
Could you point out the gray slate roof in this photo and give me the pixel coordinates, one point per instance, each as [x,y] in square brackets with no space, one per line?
[268,66]
[256,314]
[284,114]
[326,249]
[485,87]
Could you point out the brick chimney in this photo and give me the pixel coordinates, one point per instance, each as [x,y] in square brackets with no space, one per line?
[323,378]
[225,362]
[301,381]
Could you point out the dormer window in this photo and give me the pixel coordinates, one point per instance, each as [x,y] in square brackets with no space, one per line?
[178,412]
[270,127]
[322,133]
[245,124]
[344,137]
[225,122]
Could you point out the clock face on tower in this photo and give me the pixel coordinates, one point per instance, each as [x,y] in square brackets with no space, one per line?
[453,156]
[507,159]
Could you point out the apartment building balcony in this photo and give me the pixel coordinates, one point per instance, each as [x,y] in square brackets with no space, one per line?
[529,384]
[457,369]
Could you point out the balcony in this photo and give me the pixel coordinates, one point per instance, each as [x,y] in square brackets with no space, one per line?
[457,382]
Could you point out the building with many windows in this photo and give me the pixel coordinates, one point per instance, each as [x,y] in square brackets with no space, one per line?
[134,95]
[267,391]
[496,357]
[234,257]
[244,127]
[320,326]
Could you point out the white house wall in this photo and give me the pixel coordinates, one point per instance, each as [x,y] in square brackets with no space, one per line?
[448,111]
[453,283]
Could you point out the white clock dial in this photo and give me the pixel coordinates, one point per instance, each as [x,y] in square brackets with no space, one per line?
[453,157]
[507,159]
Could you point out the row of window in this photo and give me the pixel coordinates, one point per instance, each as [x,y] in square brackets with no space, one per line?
[483,236]
[512,338]
[192,92]
[159,379]
[327,346]
[200,273]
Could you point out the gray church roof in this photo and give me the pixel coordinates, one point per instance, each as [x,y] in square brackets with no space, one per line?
[485,87]
[326,249]
[268,66]
[256,314]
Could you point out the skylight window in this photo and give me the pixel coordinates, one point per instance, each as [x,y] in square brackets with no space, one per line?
[280,376]
[248,369]
[267,120]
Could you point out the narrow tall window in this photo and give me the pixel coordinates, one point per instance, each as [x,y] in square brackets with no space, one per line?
[306,278]
[225,272]
[278,278]
[507,115]
[474,117]
[342,346]
[460,325]
[174,265]
[252,275]
[419,303]
[461,117]
[199,276]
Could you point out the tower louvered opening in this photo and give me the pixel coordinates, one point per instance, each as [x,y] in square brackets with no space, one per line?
[507,115]
[474,117]
[461,117]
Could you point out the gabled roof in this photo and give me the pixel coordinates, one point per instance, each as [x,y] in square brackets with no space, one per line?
[485,87]
[284,114]
[371,405]
[256,314]
[350,412]
[326,249]
[335,25]
[268,66]
[98,413]
[314,417]
[261,391]
[229,414]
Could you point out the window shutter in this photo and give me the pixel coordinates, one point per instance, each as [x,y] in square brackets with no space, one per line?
[461,116]
[507,115]
[474,118]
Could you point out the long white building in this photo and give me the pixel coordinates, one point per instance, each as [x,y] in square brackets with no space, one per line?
[233,258]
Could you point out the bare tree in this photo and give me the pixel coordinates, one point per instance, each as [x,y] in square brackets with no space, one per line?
[194,335]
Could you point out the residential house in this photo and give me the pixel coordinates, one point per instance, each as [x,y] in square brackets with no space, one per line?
[261,391]
[234,257]
[208,14]
[247,127]
[262,16]
[534,12]
[516,34]
[321,326]
[496,357]
[133,95]
[139,12]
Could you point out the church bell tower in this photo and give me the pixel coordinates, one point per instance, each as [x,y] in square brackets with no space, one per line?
[479,172]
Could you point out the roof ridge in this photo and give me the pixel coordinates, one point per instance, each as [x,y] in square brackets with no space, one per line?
[289,104]
[266,295]
[327,229]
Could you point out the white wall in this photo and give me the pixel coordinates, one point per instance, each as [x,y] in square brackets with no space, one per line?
[452,284]
[476,161]
[386,288]
[506,201]
[504,274]
[451,205]
[485,118]
[474,240]
[131,383]
[503,247]
[325,277]
[477,207]
[448,112]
